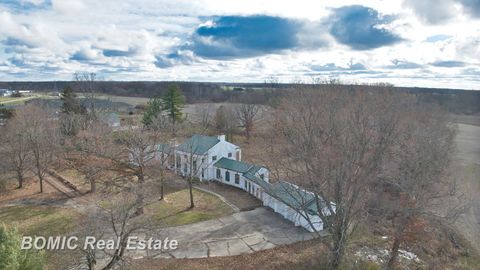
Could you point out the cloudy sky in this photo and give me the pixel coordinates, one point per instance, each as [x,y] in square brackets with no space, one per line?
[432,43]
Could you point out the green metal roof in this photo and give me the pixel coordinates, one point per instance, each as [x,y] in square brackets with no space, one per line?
[198,144]
[233,165]
[292,195]
[295,197]
[263,184]
[163,148]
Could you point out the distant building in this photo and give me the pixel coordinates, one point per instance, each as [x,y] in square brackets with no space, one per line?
[111,119]
[5,92]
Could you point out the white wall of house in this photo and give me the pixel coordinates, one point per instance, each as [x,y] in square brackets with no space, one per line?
[289,213]
[206,161]
[231,182]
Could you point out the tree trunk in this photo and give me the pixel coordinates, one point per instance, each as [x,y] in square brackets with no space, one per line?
[20,178]
[93,186]
[337,259]
[39,170]
[117,255]
[192,205]
[40,177]
[338,251]
[248,130]
[393,254]
[140,198]
[161,186]
[41,183]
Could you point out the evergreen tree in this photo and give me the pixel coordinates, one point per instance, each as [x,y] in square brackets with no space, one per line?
[13,257]
[153,109]
[70,102]
[173,102]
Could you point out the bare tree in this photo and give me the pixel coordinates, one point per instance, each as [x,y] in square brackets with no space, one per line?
[163,154]
[333,143]
[204,114]
[41,134]
[226,121]
[247,115]
[15,148]
[138,150]
[415,183]
[86,83]
[193,161]
[94,146]
[112,219]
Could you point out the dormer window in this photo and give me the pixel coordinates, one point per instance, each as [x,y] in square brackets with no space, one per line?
[214,158]
[230,155]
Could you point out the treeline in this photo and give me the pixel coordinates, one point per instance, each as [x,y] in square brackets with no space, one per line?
[454,100]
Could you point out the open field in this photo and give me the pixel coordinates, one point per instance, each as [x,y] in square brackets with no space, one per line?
[468,172]
[129,100]
[19,100]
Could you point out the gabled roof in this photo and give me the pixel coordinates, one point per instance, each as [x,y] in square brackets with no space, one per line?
[295,197]
[262,183]
[233,165]
[198,144]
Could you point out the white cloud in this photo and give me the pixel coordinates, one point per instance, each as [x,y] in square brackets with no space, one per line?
[52,42]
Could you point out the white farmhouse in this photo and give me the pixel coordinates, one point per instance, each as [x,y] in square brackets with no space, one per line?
[214,159]
[197,155]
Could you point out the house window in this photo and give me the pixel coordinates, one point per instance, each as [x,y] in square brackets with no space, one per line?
[203,160]
[262,176]
[194,165]
[227,176]
[229,155]
[214,158]
[237,178]
[245,184]
[219,174]
[203,173]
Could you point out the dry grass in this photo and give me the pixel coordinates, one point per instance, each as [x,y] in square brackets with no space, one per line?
[39,220]
[174,209]
[29,191]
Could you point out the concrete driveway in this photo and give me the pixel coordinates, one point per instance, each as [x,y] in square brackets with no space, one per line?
[240,233]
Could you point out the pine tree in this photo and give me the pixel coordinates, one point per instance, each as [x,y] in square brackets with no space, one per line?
[173,102]
[70,102]
[153,109]
[11,254]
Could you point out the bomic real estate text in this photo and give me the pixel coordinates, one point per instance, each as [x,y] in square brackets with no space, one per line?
[92,243]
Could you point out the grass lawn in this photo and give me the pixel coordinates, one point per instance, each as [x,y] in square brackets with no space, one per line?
[173,210]
[43,221]
[39,220]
